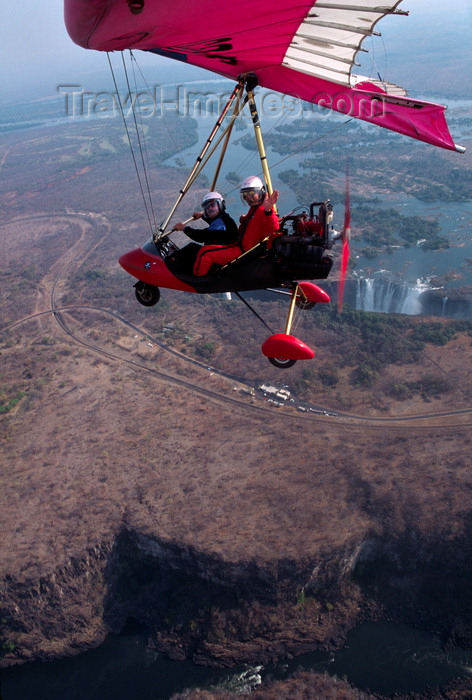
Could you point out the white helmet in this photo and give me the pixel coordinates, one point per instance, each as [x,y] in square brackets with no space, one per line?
[252,184]
[213,197]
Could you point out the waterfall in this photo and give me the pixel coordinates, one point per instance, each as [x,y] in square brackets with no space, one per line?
[384,296]
[387,297]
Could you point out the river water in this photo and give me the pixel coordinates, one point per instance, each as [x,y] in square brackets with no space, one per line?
[384,657]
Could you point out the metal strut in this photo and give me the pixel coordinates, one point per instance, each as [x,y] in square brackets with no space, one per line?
[250,80]
[291,311]
[161,232]
[297,291]
[251,83]
[229,131]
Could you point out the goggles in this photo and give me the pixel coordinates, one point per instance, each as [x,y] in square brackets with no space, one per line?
[211,204]
[252,195]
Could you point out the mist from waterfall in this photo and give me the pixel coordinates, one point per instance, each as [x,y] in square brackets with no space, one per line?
[385,296]
[388,297]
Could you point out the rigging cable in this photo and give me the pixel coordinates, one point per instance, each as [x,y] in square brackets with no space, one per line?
[171,135]
[254,312]
[251,155]
[302,148]
[140,140]
[143,141]
[133,155]
[310,143]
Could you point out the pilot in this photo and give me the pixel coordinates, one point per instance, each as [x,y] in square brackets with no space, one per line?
[260,223]
[222,229]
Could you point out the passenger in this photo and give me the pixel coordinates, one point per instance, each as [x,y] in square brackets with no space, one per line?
[261,222]
[222,229]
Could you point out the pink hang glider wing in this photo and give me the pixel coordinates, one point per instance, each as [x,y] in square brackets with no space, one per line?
[305,49]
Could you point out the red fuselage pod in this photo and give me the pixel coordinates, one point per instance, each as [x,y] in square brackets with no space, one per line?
[287,346]
[314,293]
[150,268]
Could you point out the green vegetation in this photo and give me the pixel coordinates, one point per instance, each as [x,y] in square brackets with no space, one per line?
[205,350]
[414,229]
[310,188]
[386,227]
[370,342]
[380,158]
[369,252]
[31,273]
[8,405]
[438,333]
[233,178]
[354,349]
[91,275]
[427,387]
[373,340]
[47,340]
[95,284]
[364,375]
[328,377]
[378,226]
[446,181]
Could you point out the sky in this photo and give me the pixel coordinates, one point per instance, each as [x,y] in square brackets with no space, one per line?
[37,49]
[38,53]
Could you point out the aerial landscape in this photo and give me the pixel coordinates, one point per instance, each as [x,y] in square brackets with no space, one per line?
[175,509]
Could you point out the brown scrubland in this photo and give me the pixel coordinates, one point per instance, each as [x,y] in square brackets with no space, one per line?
[108,425]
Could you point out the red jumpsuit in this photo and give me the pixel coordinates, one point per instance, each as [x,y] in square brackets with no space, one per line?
[255,226]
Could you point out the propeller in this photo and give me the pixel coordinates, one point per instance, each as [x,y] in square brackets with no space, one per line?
[345,237]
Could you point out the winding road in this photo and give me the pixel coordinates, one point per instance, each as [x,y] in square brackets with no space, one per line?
[82,249]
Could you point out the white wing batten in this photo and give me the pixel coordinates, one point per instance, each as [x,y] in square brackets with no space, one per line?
[328,43]
[332,32]
[315,52]
[385,8]
[333,71]
[389,88]
[379,9]
[341,26]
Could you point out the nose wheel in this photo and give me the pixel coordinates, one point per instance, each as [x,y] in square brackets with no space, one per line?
[147,294]
[281,363]
[282,349]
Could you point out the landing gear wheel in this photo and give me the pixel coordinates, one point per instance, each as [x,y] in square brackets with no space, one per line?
[147,294]
[304,305]
[281,363]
